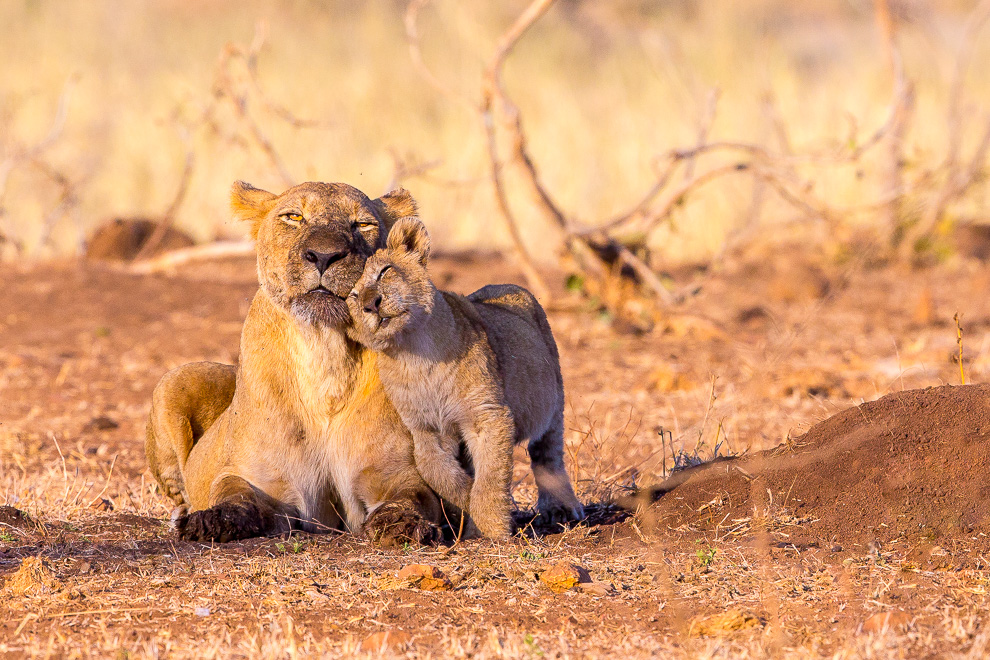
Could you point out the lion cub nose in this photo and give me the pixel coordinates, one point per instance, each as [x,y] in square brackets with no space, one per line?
[372,302]
[323,260]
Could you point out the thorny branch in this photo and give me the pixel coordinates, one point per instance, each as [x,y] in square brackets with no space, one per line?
[18,155]
[594,247]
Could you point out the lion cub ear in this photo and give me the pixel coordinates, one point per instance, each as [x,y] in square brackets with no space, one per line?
[396,205]
[250,204]
[410,235]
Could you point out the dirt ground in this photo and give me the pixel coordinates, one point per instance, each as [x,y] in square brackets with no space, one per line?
[863,536]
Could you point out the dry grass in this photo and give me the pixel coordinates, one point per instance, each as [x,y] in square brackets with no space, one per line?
[771,343]
[123,585]
[604,89]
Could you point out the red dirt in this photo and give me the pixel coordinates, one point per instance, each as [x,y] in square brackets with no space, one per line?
[910,468]
[82,346]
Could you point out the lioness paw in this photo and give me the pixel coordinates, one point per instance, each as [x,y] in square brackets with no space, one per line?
[224,522]
[396,524]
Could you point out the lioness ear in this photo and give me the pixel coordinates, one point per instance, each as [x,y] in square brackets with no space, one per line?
[395,205]
[250,204]
[409,234]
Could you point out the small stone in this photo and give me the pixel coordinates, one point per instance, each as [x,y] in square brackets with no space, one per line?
[596,588]
[102,504]
[563,576]
[385,639]
[886,621]
[719,625]
[425,577]
[102,423]
[202,611]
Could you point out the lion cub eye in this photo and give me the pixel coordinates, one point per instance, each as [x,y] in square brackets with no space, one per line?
[292,219]
[384,269]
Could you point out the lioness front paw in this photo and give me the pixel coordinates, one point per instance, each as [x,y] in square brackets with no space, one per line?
[395,524]
[227,521]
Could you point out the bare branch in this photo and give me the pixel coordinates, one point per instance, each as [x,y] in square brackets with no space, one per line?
[168,218]
[416,55]
[704,128]
[533,276]
[493,91]
[225,87]
[251,62]
[407,168]
[174,258]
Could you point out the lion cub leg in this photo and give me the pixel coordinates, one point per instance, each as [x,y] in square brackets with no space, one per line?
[440,469]
[556,501]
[490,444]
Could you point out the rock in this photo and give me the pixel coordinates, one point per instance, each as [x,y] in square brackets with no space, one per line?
[596,588]
[102,504]
[101,423]
[563,576]
[33,578]
[719,625]
[121,239]
[386,639]
[886,621]
[425,577]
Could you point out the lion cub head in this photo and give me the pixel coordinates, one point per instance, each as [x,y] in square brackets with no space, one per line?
[313,241]
[394,293]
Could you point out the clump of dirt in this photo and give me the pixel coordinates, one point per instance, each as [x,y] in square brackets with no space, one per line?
[14,517]
[33,578]
[911,466]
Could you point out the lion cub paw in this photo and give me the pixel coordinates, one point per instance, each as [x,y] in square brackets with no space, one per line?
[395,524]
[227,521]
[559,514]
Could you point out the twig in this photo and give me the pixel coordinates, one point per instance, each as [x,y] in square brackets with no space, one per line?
[106,485]
[154,241]
[492,91]
[959,342]
[65,472]
[251,62]
[169,260]
[416,55]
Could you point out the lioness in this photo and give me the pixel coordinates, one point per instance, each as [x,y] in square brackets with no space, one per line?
[481,369]
[309,440]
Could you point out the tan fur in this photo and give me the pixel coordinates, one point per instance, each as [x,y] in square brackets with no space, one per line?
[481,369]
[309,440]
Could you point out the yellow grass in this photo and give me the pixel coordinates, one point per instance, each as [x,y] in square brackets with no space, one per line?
[604,88]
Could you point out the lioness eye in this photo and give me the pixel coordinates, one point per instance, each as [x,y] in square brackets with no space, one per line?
[363,225]
[383,270]
[293,219]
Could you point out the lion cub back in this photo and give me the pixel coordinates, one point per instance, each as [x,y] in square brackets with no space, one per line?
[519,334]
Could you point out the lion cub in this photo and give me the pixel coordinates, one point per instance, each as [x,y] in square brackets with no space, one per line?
[476,373]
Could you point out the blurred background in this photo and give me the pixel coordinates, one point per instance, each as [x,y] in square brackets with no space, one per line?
[848,115]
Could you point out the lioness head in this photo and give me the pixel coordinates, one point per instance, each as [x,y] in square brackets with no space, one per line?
[313,241]
[394,292]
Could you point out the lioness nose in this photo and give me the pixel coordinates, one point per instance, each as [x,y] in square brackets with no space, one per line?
[323,260]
